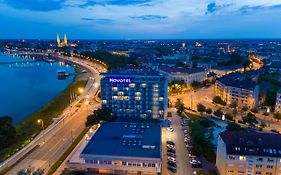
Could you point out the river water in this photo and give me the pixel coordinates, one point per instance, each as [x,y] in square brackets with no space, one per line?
[27,86]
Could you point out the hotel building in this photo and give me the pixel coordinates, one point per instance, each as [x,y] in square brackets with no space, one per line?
[278,102]
[135,93]
[235,87]
[248,153]
[188,75]
[121,148]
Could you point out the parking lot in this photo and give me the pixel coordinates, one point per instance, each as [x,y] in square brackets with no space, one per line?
[181,158]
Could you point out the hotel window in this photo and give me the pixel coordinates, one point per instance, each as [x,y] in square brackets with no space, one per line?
[126,97]
[104,101]
[270,160]
[242,158]
[161,112]
[161,99]
[268,173]
[269,167]
[259,159]
[132,85]
[138,94]
[114,88]
[231,157]
[258,173]
[240,172]
[143,85]
[258,166]
[120,93]
[138,98]
[114,97]
[230,171]
[126,88]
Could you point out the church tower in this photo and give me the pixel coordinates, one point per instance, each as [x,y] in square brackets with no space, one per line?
[65,40]
[58,40]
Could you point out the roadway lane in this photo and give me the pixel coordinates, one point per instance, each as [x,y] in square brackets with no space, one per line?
[62,135]
[183,167]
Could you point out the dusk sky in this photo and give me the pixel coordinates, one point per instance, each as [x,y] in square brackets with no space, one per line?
[140,19]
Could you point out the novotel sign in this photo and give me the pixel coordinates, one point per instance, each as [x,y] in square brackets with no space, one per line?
[119,80]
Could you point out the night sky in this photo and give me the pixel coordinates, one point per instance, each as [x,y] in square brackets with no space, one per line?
[140,19]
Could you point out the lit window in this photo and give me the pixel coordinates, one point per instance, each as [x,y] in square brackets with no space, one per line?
[161,112]
[132,85]
[138,98]
[126,88]
[114,98]
[126,97]
[230,171]
[114,88]
[143,85]
[138,94]
[104,101]
[120,93]
[231,157]
[242,158]
[161,99]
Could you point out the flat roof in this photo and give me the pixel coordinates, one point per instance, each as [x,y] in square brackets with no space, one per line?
[126,139]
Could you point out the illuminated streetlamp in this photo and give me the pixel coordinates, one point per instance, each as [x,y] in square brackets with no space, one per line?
[40,121]
[80,90]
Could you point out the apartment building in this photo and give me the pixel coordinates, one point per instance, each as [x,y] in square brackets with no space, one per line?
[248,153]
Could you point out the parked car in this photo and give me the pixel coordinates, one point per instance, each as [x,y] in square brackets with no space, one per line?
[170,143]
[172,169]
[172,164]
[172,159]
[171,150]
[170,129]
[171,154]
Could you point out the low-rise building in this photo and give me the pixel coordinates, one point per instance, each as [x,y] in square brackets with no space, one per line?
[237,87]
[248,153]
[278,101]
[189,75]
[121,148]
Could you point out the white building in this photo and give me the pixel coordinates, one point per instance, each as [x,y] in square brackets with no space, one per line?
[188,75]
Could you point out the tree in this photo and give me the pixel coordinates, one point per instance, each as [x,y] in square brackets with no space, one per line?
[250,118]
[234,112]
[255,110]
[98,116]
[201,108]
[262,124]
[277,116]
[179,105]
[196,84]
[209,111]
[218,100]
[7,132]
[229,116]
[233,104]
[218,113]
[233,127]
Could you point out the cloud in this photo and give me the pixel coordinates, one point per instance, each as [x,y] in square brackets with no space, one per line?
[36,5]
[115,2]
[211,7]
[149,17]
[101,20]
[246,9]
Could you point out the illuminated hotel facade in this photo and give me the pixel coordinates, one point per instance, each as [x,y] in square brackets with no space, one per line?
[135,93]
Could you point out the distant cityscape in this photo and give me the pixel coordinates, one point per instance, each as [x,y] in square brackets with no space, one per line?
[147,107]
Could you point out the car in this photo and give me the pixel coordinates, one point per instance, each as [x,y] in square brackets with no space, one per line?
[171,154]
[170,129]
[170,143]
[171,150]
[196,165]
[275,131]
[172,159]
[172,169]
[171,146]
[172,164]
[194,161]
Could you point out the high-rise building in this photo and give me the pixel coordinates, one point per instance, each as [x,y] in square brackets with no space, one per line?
[249,153]
[135,93]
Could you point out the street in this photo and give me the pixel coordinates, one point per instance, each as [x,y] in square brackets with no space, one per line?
[59,138]
[183,166]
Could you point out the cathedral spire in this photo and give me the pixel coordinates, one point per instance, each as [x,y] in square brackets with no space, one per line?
[58,40]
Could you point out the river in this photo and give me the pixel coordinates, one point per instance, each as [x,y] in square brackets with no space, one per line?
[26,87]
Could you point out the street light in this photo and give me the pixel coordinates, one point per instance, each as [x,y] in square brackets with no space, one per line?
[40,121]
[80,90]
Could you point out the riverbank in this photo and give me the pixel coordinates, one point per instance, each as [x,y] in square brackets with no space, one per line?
[29,128]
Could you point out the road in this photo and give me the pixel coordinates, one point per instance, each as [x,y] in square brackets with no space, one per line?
[177,136]
[57,140]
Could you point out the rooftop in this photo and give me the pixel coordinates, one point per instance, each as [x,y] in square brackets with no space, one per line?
[252,143]
[129,71]
[238,80]
[181,70]
[126,139]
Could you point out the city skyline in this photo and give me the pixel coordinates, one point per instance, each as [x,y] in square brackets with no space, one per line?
[140,19]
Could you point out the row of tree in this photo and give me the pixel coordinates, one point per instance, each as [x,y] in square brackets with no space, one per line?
[8,132]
